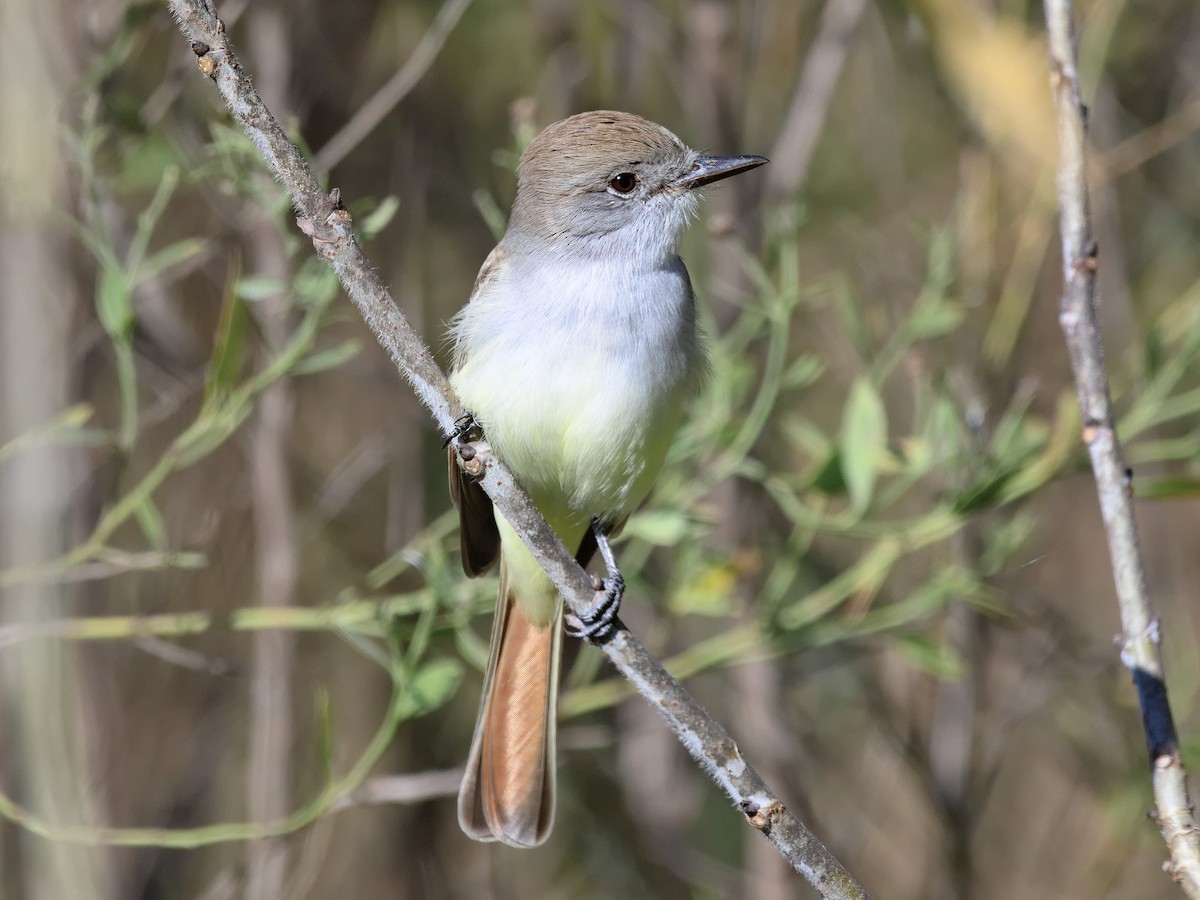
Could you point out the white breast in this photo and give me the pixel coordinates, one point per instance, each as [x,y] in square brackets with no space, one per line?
[578,375]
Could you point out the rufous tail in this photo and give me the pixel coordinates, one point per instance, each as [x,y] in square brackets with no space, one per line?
[508,790]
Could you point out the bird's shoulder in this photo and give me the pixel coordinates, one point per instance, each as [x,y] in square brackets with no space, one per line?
[491,270]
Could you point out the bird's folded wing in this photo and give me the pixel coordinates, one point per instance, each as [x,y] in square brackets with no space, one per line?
[479,539]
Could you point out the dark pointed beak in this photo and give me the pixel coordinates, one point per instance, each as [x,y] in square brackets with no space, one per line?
[707,169]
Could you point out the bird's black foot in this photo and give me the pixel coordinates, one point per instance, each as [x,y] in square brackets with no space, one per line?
[466,428]
[599,622]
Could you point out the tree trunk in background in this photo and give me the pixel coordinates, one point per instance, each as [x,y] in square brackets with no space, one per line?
[44,735]
[269,770]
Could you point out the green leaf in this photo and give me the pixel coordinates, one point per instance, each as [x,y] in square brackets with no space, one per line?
[848,307]
[708,590]
[864,442]
[186,560]
[928,656]
[863,579]
[149,217]
[985,492]
[114,304]
[151,522]
[171,255]
[660,527]
[434,684]
[68,428]
[330,358]
[1169,488]
[934,313]
[803,371]
[934,317]
[142,166]
[316,284]
[1002,542]
[471,647]
[491,213]
[225,367]
[1154,351]
[211,429]
[830,478]
[375,221]
[324,728]
[252,288]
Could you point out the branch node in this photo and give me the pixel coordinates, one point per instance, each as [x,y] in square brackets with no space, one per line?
[1057,73]
[760,816]
[1166,760]
[1085,262]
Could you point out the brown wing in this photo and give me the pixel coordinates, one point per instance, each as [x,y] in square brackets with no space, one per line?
[478,537]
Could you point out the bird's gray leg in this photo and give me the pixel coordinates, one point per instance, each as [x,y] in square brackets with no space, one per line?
[599,622]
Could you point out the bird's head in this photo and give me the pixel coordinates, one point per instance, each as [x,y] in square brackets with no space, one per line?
[611,182]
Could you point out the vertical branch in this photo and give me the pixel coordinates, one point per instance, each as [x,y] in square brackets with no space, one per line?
[1140,645]
[268,771]
[43,722]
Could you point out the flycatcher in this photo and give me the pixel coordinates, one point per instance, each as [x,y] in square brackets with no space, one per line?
[575,354]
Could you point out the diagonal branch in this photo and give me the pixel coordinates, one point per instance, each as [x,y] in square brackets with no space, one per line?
[322,217]
[1140,643]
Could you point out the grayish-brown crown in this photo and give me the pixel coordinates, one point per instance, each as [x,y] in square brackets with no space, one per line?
[565,187]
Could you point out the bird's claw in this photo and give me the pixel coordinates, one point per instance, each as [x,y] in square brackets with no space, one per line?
[599,621]
[465,428]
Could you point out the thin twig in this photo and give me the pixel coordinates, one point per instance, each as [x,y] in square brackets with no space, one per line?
[174,654]
[395,89]
[405,789]
[1140,643]
[1139,148]
[805,122]
[329,225]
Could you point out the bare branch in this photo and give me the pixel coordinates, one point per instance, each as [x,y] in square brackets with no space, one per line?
[1141,651]
[823,64]
[323,219]
[404,789]
[168,653]
[395,89]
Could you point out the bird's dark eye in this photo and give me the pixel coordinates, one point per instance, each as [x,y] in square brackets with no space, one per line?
[623,183]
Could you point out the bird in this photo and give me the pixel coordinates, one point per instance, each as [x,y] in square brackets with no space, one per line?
[575,355]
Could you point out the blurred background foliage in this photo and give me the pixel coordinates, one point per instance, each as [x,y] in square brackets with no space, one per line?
[232,609]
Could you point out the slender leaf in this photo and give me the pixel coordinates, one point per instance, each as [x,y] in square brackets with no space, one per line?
[151,522]
[114,303]
[329,358]
[170,255]
[226,365]
[378,219]
[864,442]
